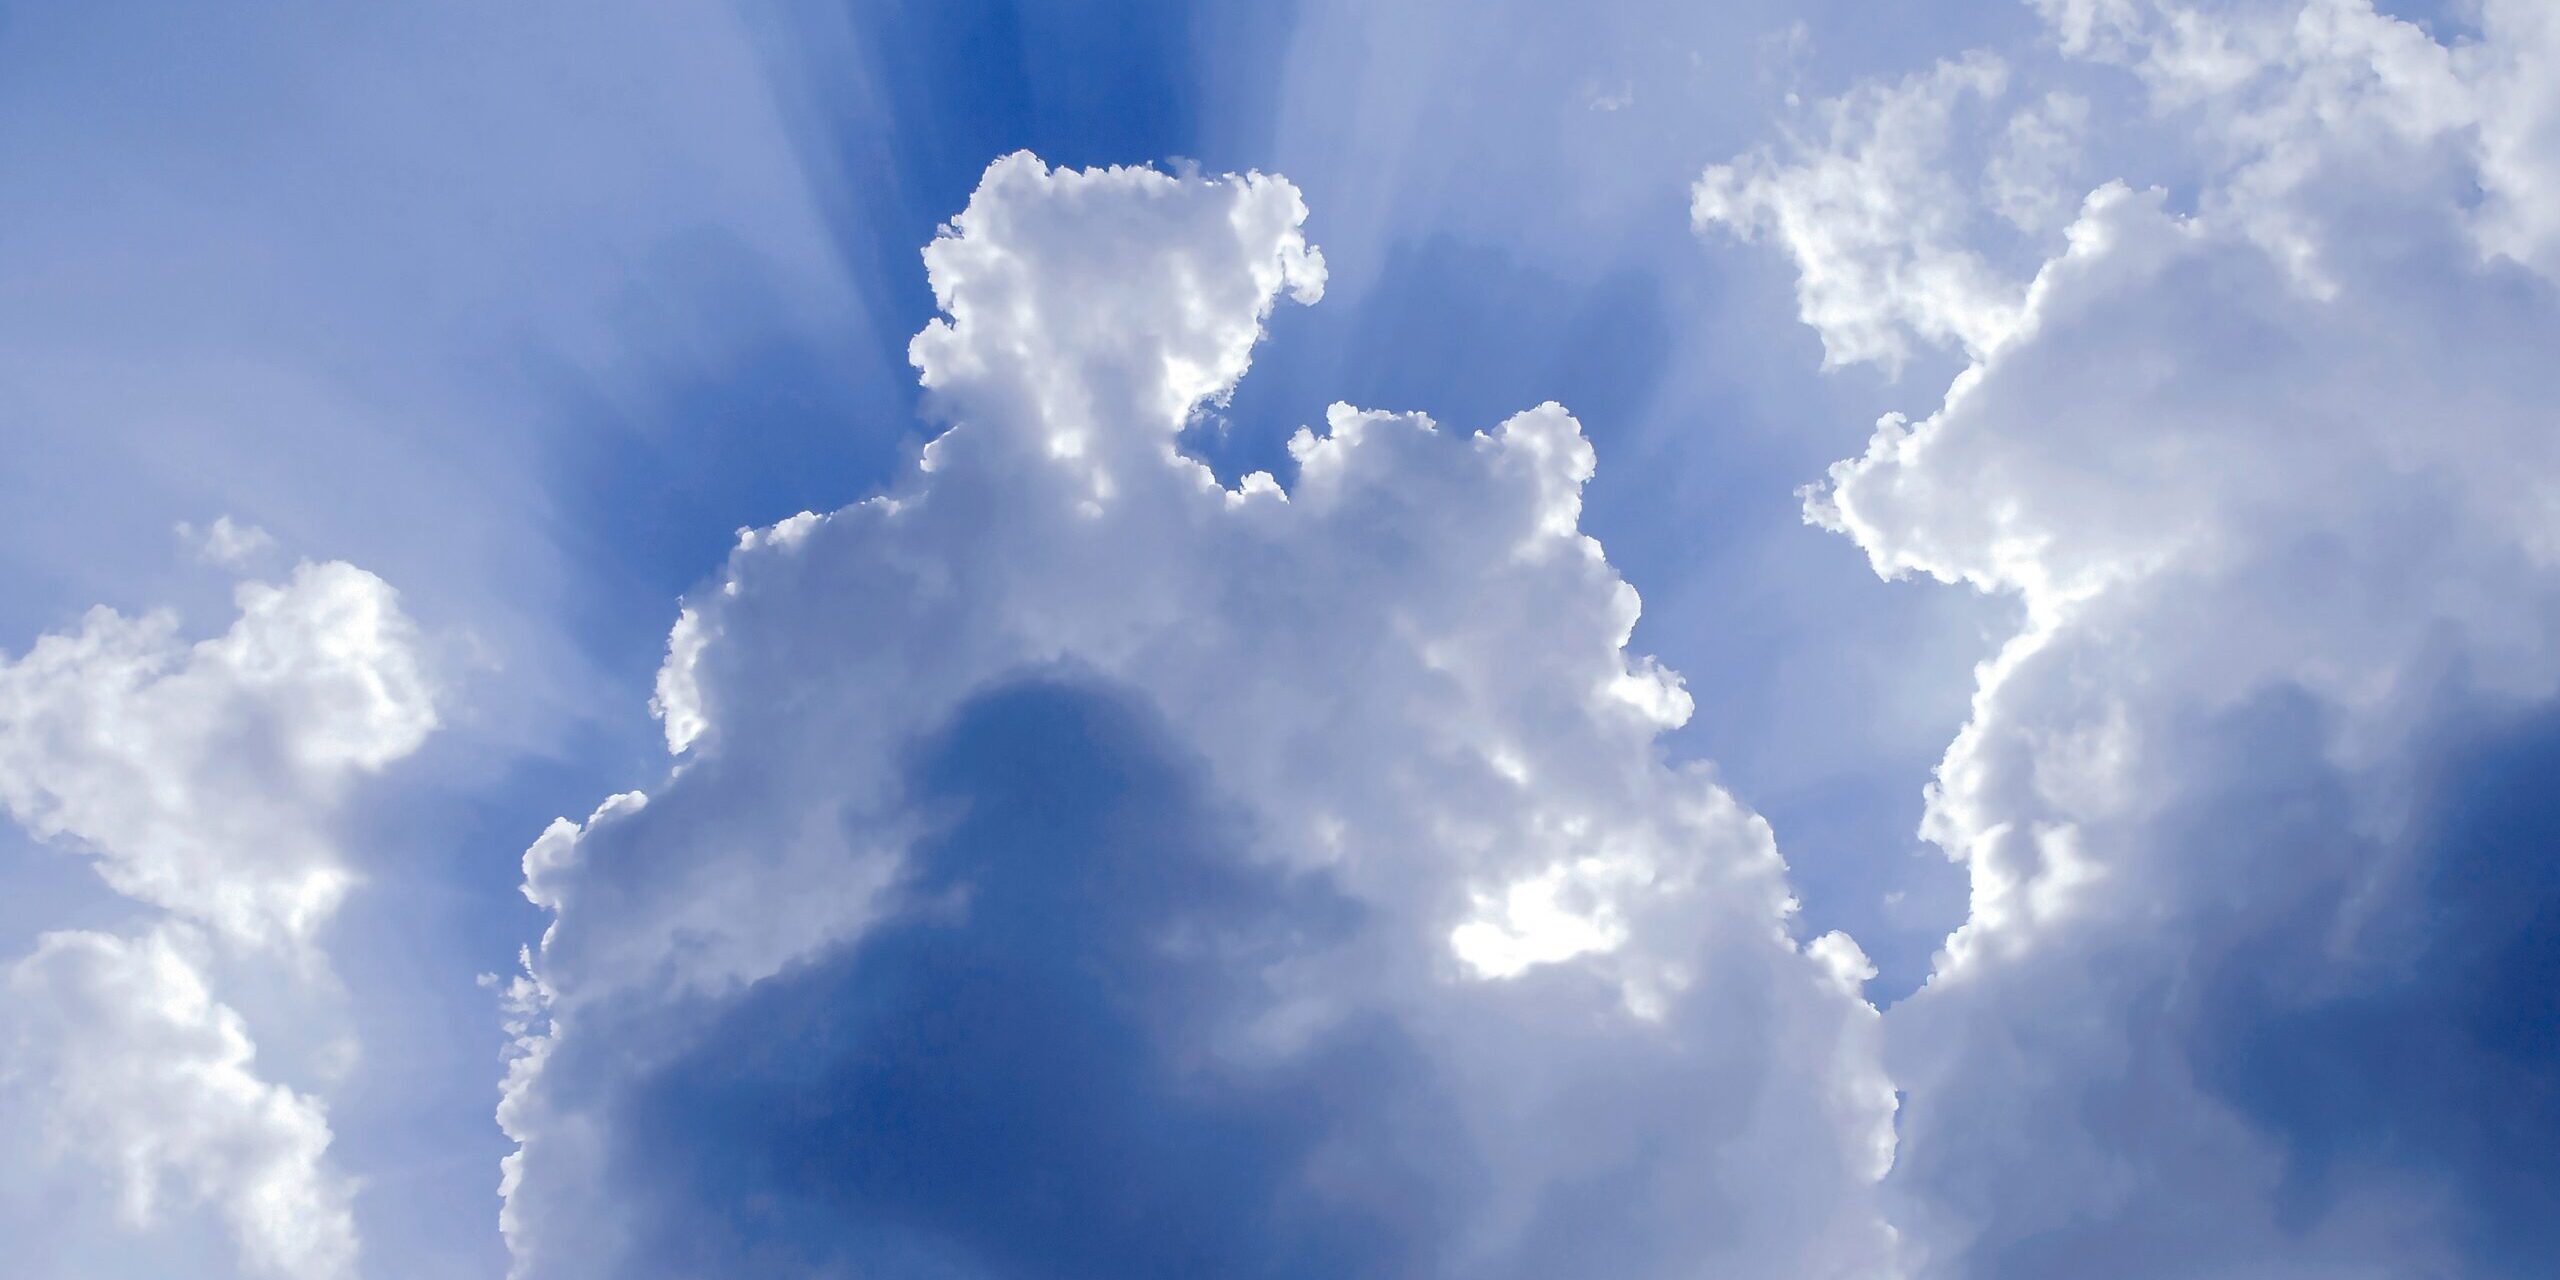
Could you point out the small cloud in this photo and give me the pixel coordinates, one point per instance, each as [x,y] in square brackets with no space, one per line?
[1619,99]
[227,542]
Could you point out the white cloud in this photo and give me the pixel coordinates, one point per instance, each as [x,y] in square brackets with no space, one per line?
[227,543]
[1401,686]
[1878,227]
[204,780]
[193,773]
[149,1079]
[2274,480]
[2028,177]
[2274,93]
[1890,241]
[2519,129]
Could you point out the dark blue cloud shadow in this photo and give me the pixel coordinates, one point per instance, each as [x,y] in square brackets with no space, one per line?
[1022,1074]
[2380,1009]
[2435,1052]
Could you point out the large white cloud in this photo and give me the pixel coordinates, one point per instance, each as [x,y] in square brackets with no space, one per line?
[1071,858]
[2257,978]
[204,780]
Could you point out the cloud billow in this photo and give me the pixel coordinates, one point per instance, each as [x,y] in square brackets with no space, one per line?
[2253,980]
[1073,866]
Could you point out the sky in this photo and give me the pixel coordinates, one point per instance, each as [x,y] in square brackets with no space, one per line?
[1042,641]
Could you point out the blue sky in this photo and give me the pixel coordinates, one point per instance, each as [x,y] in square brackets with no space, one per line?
[2156,686]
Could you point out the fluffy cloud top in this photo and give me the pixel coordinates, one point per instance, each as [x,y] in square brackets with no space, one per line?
[1880,229]
[192,773]
[2258,976]
[1077,867]
[203,779]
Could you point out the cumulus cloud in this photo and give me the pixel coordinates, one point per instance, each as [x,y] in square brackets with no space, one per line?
[192,773]
[2257,976]
[143,1074]
[1073,866]
[2280,98]
[1882,232]
[202,779]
